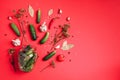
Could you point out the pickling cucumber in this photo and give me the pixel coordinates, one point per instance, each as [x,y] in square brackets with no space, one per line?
[32,32]
[15,29]
[45,38]
[38,16]
[50,55]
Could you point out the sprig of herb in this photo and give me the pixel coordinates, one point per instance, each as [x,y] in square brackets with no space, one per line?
[52,64]
[13,63]
[63,34]
[11,51]
[19,14]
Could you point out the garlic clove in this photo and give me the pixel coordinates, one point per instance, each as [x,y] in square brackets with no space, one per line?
[16,42]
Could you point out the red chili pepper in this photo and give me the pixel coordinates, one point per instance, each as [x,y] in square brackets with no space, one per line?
[50,23]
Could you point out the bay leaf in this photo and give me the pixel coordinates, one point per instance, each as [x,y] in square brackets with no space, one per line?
[31,11]
[50,12]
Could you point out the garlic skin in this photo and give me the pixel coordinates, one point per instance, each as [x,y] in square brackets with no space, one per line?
[43,27]
[16,42]
[50,12]
[31,11]
[57,47]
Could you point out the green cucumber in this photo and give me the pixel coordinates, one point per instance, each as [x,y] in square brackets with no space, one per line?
[33,32]
[49,55]
[29,68]
[27,48]
[30,62]
[38,16]
[15,29]
[30,51]
[45,38]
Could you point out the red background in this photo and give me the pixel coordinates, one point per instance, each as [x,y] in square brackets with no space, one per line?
[95,25]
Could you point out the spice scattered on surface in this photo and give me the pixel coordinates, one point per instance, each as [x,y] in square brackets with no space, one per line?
[55,27]
[50,12]
[66,46]
[68,19]
[26,16]
[5,34]
[20,13]
[59,11]
[14,11]
[69,60]
[31,11]
[72,36]
[69,52]
[16,42]
[9,18]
